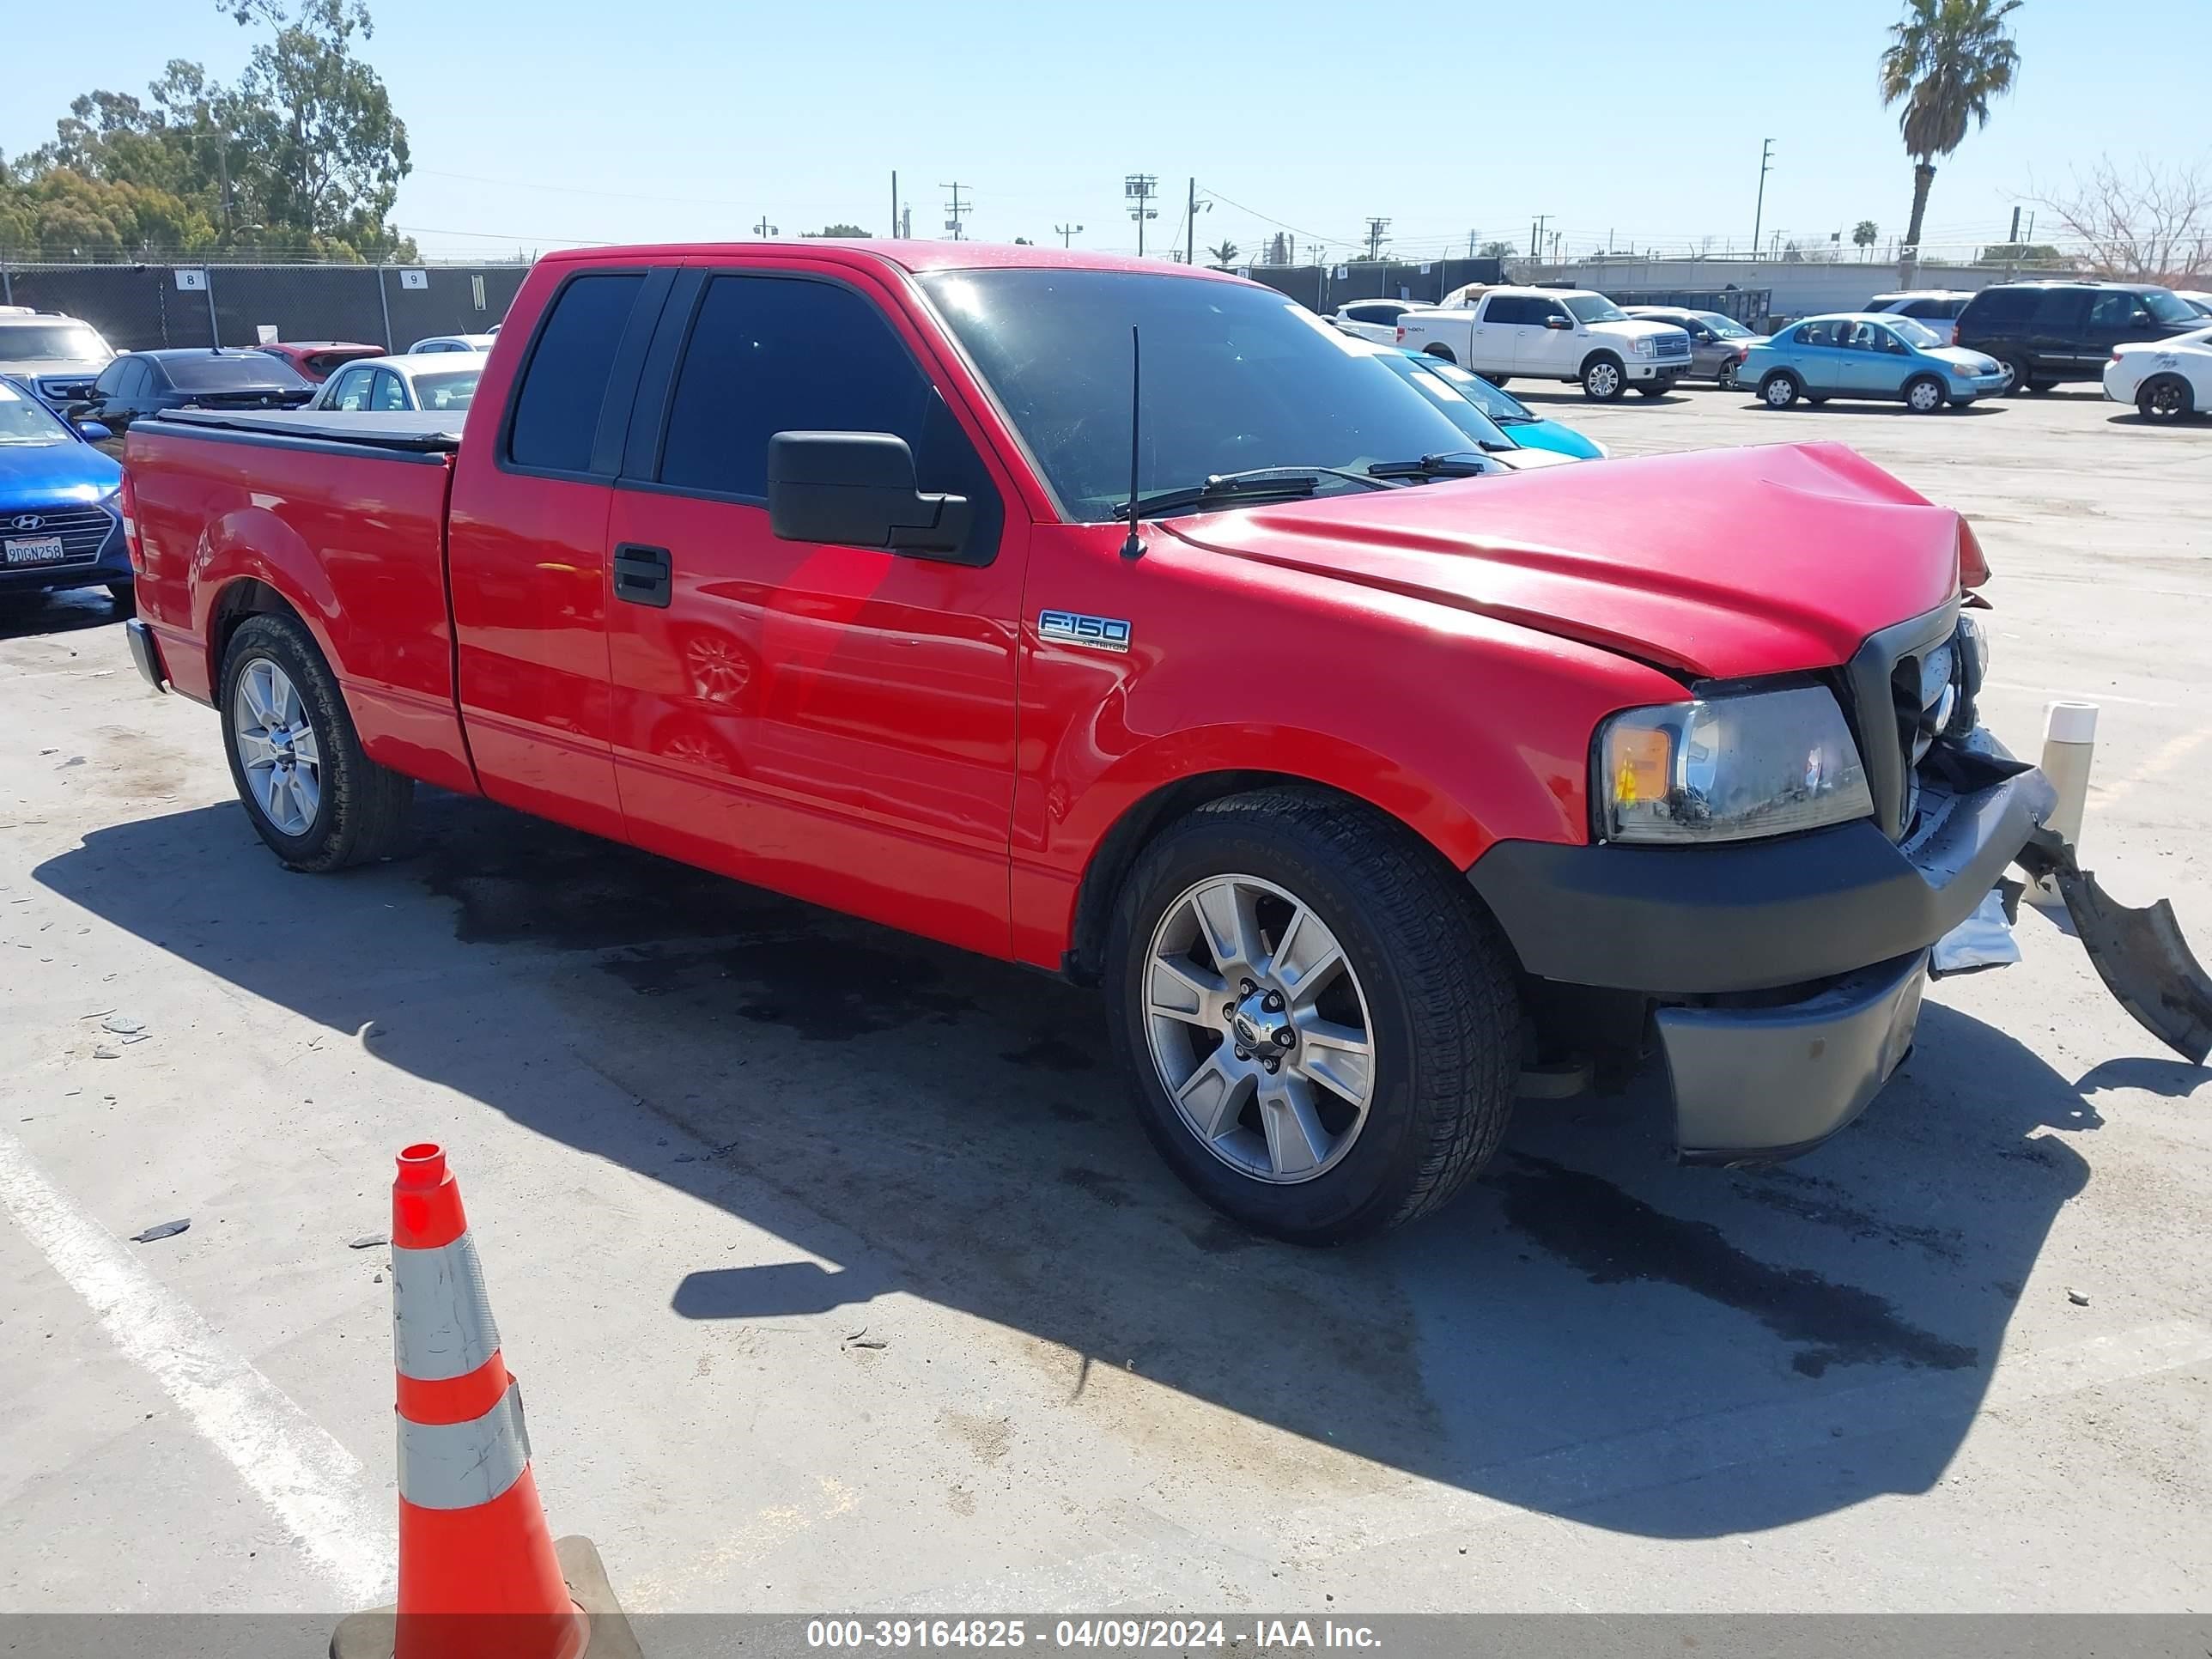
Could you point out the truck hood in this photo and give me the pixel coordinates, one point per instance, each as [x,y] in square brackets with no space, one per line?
[1723,563]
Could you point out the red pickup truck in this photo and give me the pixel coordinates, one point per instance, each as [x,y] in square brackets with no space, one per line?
[1367,778]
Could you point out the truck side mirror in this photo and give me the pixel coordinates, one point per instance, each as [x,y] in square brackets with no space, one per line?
[858,489]
[1557,321]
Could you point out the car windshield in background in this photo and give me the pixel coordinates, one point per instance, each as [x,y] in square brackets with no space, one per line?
[450,390]
[1452,390]
[243,371]
[1593,309]
[1499,404]
[1235,378]
[1912,333]
[2169,308]
[1727,327]
[25,423]
[73,343]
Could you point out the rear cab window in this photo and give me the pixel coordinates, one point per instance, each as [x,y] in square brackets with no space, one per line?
[555,424]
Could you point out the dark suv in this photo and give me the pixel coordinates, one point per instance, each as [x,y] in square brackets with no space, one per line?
[2046,332]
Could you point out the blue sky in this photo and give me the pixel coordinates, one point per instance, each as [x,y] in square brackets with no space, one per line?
[559,122]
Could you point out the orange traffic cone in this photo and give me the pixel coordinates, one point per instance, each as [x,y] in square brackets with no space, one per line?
[480,1574]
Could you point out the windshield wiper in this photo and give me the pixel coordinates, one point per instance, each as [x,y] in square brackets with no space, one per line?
[1459,464]
[1257,483]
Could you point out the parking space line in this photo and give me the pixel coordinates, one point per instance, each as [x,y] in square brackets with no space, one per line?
[2155,767]
[313,1484]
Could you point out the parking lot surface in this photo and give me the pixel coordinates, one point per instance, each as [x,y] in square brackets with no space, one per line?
[838,1273]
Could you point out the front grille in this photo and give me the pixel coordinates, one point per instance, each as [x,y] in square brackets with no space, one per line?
[82,529]
[1676,344]
[1904,685]
[66,388]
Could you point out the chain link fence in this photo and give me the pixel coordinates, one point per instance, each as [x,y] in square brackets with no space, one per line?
[139,307]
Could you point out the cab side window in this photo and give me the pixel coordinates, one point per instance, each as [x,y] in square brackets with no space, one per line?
[390,394]
[351,392]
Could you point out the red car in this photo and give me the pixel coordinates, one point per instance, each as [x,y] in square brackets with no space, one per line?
[318,360]
[1364,775]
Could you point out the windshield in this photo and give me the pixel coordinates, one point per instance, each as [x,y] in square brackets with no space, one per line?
[1235,378]
[448,389]
[1593,308]
[25,422]
[2169,308]
[52,343]
[1502,406]
[242,371]
[1912,333]
[1727,327]
[1451,389]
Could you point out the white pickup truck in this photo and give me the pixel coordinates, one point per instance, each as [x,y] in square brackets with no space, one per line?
[1551,334]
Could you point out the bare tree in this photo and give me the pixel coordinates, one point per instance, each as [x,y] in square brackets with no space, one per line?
[2151,222]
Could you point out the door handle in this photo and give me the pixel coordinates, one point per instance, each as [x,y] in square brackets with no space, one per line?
[641,575]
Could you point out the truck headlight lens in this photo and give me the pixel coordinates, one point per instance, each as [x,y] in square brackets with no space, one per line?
[1643,346]
[1727,768]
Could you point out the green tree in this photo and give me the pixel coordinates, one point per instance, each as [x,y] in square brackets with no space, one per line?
[2020,254]
[839,229]
[1864,234]
[1946,62]
[1499,250]
[1225,253]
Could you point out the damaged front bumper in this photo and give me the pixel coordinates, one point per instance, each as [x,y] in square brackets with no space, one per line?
[1784,979]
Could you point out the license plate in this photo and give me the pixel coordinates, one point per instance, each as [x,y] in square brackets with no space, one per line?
[36,549]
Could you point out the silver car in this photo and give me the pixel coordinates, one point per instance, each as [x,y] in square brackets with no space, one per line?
[1718,342]
[434,382]
[58,357]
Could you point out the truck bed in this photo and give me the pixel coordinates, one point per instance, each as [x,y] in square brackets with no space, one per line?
[408,433]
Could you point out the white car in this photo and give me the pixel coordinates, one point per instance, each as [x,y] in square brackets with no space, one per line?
[58,357]
[2195,299]
[1551,334]
[1935,309]
[432,382]
[2167,380]
[451,343]
[1371,319]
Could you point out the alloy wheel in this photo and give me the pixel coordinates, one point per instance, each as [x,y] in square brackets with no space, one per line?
[276,747]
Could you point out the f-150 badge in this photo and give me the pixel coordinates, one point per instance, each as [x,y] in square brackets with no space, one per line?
[1072,628]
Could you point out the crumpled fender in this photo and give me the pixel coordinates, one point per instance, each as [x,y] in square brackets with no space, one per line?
[2140,954]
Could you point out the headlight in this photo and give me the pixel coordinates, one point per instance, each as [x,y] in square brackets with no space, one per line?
[1728,769]
[1644,345]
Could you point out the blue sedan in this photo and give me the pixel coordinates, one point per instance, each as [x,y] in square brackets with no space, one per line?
[58,522]
[1866,355]
[1494,414]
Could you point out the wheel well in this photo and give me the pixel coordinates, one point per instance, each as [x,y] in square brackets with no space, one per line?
[246,597]
[1774,375]
[1599,355]
[1134,830]
[2167,378]
[1442,351]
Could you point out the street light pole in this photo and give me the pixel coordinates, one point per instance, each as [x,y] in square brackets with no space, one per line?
[1759,214]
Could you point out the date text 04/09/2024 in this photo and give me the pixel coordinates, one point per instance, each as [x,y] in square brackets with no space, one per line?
[1123,1635]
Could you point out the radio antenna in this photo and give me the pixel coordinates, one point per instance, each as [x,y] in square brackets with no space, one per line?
[1131,546]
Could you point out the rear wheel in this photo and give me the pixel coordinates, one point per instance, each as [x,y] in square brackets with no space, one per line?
[1442,351]
[1320,1023]
[126,596]
[1497,380]
[1780,391]
[310,790]
[1924,394]
[1603,379]
[1726,379]
[2165,398]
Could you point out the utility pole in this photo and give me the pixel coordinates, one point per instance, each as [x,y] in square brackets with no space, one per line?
[1471,235]
[1759,214]
[894,218]
[1190,234]
[764,229]
[956,209]
[1376,238]
[906,224]
[2015,238]
[1138,189]
[1067,234]
[1536,236]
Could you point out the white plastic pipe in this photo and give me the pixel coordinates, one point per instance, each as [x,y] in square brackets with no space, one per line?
[2069,743]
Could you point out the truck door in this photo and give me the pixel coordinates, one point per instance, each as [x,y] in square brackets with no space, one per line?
[834,722]
[526,555]
[1498,326]
[1546,344]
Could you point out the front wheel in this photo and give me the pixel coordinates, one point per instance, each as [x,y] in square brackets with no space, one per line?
[310,790]
[1603,379]
[1653,388]
[2164,398]
[1320,1023]
[1925,395]
[125,595]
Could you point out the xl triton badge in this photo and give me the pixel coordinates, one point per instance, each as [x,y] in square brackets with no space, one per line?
[1071,628]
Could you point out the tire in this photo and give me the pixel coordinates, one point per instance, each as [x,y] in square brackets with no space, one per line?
[1420,970]
[359,808]
[1816,398]
[2016,367]
[1780,390]
[1726,379]
[125,595]
[1497,380]
[1442,351]
[1925,395]
[1603,379]
[2165,398]
[2037,388]
[1653,388]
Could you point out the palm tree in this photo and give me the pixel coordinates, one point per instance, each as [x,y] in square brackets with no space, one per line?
[1223,254]
[1946,61]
